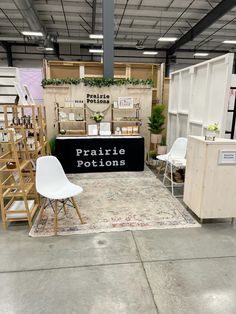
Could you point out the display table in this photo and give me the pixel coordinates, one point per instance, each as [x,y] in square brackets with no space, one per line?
[209,189]
[100,153]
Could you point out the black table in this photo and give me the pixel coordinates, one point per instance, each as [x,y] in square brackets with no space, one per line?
[100,153]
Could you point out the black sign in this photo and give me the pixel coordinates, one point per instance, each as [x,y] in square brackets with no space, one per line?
[100,154]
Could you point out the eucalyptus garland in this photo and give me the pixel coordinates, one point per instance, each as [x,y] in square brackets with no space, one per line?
[97,82]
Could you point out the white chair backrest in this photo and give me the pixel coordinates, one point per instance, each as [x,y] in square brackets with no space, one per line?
[179,148]
[49,174]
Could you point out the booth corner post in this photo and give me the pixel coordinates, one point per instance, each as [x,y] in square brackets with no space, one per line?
[108,38]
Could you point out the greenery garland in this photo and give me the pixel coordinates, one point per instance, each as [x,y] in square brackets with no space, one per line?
[97,82]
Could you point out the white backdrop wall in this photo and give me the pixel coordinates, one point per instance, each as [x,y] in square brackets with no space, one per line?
[199,96]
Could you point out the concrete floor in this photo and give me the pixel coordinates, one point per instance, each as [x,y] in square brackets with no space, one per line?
[157,271]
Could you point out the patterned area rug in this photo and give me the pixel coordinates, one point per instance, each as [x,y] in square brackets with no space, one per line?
[118,201]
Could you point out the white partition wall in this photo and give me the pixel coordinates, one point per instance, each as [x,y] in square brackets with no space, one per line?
[199,95]
[8,77]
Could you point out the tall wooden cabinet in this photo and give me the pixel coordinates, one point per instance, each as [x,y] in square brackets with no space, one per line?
[210,180]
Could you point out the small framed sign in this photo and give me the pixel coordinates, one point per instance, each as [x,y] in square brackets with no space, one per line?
[227,157]
[105,128]
[92,129]
[125,102]
[71,116]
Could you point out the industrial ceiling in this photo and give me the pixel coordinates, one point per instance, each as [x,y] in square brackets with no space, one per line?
[198,25]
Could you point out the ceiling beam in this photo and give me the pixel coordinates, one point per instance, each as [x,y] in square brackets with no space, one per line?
[130,48]
[27,10]
[30,15]
[121,19]
[108,38]
[221,9]
[7,47]
[94,16]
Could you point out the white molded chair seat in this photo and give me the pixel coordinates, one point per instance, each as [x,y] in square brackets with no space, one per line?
[177,151]
[162,157]
[66,191]
[51,181]
[53,184]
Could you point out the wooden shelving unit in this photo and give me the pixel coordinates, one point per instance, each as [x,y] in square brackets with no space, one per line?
[127,120]
[18,197]
[76,126]
[32,119]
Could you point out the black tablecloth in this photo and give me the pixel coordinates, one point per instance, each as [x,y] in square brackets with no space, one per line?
[100,154]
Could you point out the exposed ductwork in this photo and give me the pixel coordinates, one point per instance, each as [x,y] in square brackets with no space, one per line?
[30,15]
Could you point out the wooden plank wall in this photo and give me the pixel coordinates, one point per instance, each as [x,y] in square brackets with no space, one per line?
[70,69]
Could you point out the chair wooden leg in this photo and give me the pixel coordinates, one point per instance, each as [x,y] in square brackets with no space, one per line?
[55,218]
[77,209]
[64,207]
[172,179]
[41,211]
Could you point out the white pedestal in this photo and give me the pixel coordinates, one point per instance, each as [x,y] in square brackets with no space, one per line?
[210,185]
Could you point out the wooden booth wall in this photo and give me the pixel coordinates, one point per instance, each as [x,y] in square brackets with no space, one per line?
[148,97]
[70,69]
[58,94]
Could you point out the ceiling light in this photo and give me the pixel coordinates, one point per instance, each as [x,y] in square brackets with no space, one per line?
[201,54]
[96,36]
[48,49]
[96,50]
[167,39]
[229,42]
[29,33]
[150,53]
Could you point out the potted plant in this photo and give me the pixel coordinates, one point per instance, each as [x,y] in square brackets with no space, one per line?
[156,122]
[162,148]
[212,130]
[152,156]
[97,116]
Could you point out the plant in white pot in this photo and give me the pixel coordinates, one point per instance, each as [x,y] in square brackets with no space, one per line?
[156,122]
[162,148]
[212,131]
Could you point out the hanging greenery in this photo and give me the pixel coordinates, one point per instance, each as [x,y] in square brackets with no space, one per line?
[97,82]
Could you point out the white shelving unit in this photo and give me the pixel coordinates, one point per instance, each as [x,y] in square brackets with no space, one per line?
[8,77]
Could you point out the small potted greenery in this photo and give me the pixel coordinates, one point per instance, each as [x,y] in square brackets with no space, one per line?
[162,148]
[156,122]
[212,130]
[97,116]
[152,156]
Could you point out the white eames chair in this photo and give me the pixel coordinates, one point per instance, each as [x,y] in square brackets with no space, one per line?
[53,185]
[177,151]
[176,156]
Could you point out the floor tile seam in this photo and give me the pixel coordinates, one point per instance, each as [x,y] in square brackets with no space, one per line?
[68,267]
[187,259]
[145,274]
